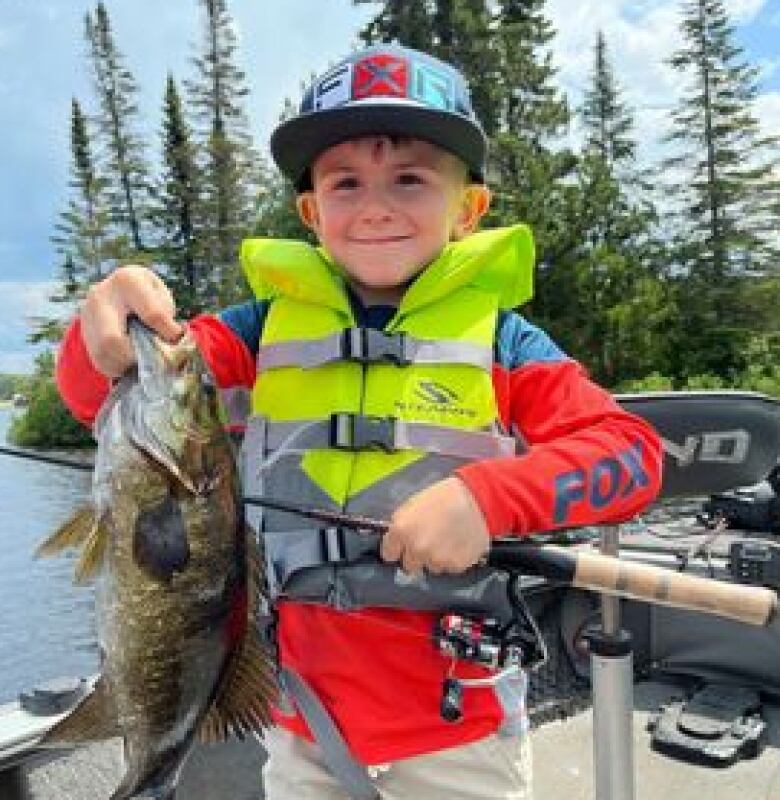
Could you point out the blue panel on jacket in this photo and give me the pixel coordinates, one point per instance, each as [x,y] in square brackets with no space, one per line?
[518,342]
[246,320]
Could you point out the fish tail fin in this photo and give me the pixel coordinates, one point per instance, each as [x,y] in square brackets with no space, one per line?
[72,533]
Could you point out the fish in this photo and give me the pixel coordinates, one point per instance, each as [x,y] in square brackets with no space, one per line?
[179,576]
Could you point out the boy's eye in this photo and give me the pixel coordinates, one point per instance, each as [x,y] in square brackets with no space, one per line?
[345,183]
[409,179]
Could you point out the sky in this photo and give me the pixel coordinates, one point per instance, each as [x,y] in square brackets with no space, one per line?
[43,65]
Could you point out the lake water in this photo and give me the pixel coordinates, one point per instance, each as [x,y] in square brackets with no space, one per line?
[47,626]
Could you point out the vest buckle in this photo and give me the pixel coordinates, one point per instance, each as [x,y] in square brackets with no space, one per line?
[368,346]
[333,548]
[360,432]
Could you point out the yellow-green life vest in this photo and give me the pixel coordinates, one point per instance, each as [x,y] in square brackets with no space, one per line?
[356,419]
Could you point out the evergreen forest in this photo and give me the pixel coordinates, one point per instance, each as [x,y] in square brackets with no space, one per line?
[654,276]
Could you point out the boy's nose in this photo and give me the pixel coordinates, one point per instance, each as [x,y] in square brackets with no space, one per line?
[376,207]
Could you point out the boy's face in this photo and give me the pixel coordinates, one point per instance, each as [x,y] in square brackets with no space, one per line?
[383,209]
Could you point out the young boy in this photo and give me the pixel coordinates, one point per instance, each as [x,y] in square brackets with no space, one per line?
[385,368]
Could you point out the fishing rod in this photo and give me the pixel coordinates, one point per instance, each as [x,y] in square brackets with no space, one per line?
[582,569]
[592,571]
[60,462]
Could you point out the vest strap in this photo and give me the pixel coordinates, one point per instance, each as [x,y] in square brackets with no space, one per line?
[369,346]
[352,775]
[360,432]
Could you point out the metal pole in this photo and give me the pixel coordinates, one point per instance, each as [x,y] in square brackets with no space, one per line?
[611,661]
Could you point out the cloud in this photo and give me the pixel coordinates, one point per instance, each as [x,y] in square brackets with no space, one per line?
[640,37]
[20,303]
[744,11]
[767,110]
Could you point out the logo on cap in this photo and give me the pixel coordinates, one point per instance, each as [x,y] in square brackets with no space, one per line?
[385,75]
[380,75]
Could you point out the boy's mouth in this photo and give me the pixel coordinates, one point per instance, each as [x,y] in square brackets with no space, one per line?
[381,240]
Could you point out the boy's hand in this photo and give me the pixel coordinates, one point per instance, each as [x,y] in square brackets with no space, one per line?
[440,529]
[126,291]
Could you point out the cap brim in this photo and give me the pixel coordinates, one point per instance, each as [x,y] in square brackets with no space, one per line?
[298,141]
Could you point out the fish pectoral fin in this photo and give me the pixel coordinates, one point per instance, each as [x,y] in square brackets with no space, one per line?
[92,553]
[249,689]
[93,720]
[73,533]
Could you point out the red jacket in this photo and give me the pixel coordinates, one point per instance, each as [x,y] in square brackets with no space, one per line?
[588,462]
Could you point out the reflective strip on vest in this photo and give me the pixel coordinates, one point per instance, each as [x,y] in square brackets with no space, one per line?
[355,432]
[367,346]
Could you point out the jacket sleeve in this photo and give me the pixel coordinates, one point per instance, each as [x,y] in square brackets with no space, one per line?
[587,460]
[83,388]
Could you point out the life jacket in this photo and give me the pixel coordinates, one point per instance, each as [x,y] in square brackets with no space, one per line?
[356,419]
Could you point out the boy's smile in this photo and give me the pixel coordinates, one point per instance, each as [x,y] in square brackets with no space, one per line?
[384,208]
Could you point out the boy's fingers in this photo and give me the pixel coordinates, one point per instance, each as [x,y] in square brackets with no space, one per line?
[130,290]
[410,564]
[151,300]
[390,548]
[106,340]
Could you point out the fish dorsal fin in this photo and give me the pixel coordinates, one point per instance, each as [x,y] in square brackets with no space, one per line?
[243,704]
[82,530]
[93,720]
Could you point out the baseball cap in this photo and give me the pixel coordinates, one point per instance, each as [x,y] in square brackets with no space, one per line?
[384,89]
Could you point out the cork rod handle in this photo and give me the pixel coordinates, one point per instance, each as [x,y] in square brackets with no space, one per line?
[751,604]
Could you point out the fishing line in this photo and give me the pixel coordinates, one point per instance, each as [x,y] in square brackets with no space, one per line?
[60,462]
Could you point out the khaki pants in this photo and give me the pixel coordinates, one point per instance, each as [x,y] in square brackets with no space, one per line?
[494,768]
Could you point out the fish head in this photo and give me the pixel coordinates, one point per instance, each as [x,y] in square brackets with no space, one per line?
[176,415]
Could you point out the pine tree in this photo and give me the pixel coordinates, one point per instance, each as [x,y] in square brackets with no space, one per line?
[231,168]
[723,186]
[608,123]
[624,306]
[611,212]
[528,163]
[408,22]
[83,235]
[125,167]
[531,171]
[177,209]
[729,196]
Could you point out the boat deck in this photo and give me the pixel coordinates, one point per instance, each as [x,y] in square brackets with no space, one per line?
[563,764]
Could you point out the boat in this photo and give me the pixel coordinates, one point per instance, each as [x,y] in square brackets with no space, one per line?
[704,707]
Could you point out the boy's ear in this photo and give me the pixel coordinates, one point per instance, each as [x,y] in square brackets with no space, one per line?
[306,203]
[474,205]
